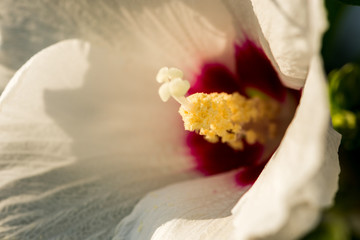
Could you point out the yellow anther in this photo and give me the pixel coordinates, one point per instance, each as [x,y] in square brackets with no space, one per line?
[231,118]
[250,136]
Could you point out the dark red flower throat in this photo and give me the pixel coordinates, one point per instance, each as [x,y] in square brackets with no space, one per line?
[254,71]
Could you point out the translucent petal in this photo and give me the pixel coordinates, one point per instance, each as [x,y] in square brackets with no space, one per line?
[81,142]
[301,177]
[197,209]
[293,31]
[181,33]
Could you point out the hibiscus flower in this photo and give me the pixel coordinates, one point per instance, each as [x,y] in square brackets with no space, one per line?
[89,151]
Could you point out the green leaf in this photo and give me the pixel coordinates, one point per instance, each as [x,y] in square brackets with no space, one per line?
[344,85]
[332,227]
[253,92]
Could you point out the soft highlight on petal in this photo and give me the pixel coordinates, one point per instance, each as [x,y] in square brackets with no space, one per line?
[177,32]
[293,31]
[80,143]
[197,209]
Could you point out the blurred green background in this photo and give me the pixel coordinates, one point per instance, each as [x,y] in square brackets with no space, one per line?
[341,54]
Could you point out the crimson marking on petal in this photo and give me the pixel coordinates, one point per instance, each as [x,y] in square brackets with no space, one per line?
[213,158]
[248,175]
[215,77]
[253,70]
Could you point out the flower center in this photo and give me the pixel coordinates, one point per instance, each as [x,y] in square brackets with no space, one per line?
[235,120]
[231,118]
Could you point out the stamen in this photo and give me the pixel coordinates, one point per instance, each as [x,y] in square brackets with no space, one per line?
[229,118]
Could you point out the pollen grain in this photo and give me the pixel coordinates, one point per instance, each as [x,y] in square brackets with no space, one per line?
[231,118]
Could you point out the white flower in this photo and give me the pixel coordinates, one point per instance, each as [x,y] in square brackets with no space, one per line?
[84,135]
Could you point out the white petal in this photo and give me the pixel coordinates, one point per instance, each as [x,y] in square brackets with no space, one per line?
[293,30]
[187,34]
[184,34]
[175,29]
[151,31]
[82,139]
[28,27]
[301,177]
[198,209]
[284,203]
